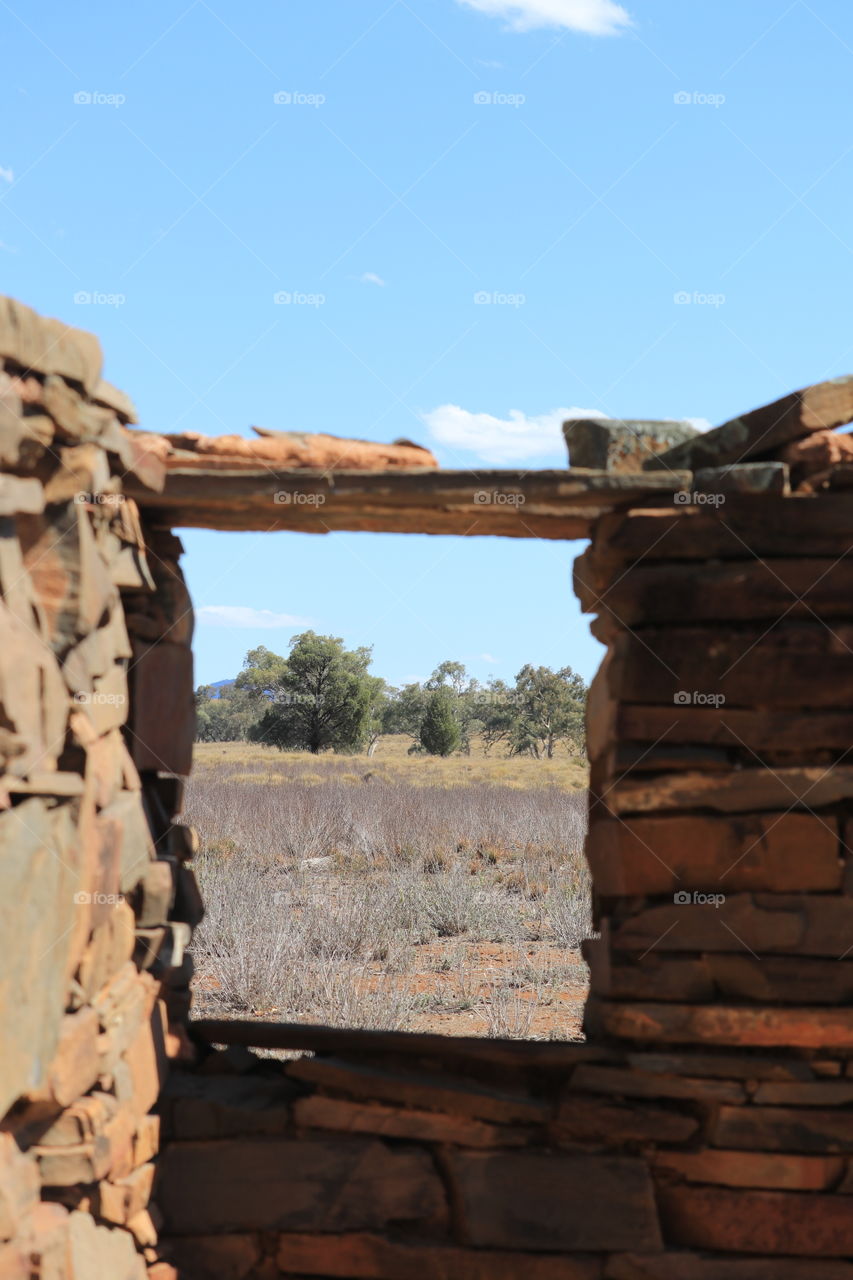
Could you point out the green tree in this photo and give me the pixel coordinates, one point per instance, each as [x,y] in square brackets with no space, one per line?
[450,675]
[323,698]
[262,671]
[225,714]
[497,714]
[467,698]
[548,708]
[440,734]
[404,709]
[378,712]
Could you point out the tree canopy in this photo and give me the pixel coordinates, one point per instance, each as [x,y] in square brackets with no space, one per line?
[439,731]
[323,697]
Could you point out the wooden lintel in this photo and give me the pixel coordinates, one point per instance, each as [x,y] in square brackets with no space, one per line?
[514,504]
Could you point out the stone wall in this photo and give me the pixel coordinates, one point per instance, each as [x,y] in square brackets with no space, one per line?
[703,1131]
[95,900]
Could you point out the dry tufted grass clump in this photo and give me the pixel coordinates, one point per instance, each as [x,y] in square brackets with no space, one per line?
[380,902]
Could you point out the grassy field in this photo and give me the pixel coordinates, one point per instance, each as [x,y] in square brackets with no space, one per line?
[392,890]
[391,762]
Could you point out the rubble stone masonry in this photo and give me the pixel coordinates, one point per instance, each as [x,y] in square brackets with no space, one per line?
[704,1130]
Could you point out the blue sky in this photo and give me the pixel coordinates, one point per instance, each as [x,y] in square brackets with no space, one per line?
[585,165]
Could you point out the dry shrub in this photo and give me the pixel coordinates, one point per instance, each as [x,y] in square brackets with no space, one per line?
[319,894]
[384,820]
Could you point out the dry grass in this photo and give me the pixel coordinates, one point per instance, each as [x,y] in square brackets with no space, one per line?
[446,900]
[391,762]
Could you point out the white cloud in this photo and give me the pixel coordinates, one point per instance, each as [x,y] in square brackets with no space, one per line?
[517,438]
[701,424]
[593,17]
[237,615]
[6,174]
[487,657]
[370,277]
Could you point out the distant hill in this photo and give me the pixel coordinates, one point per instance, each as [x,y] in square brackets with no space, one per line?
[220,684]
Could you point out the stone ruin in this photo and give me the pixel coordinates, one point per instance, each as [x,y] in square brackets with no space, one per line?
[704,1130]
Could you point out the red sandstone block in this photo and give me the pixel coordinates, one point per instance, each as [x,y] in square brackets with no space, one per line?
[729,1025]
[806,1093]
[767,851]
[49,1241]
[19,1186]
[694,1266]
[783,1129]
[145,1060]
[162,723]
[310,1184]
[123,1007]
[73,1166]
[76,1063]
[762,1222]
[83,1120]
[15,1262]
[215,1257]
[772,1171]
[419,1090]
[143,1227]
[157,892]
[367,1257]
[146,1143]
[99,1253]
[317,1111]
[122,1199]
[634,1083]
[582,1119]
[553,1202]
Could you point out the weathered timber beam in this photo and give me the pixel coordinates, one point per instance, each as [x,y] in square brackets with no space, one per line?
[345,1041]
[520,504]
[759,433]
[801,526]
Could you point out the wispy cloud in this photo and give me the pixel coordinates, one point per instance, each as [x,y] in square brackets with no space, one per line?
[518,438]
[7,174]
[593,17]
[237,615]
[370,277]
